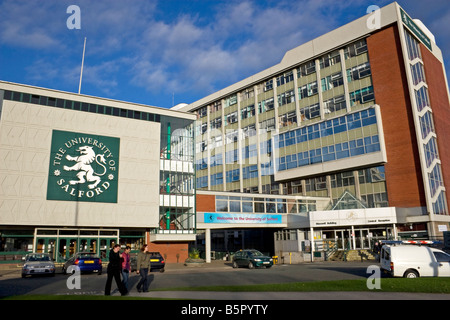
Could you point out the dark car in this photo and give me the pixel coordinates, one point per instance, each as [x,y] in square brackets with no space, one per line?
[156,262]
[251,259]
[86,261]
[38,264]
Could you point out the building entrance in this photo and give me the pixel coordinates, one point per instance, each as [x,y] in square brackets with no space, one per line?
[61,244]
[357,238]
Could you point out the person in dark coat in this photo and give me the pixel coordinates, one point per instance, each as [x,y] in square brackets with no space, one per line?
[114,270]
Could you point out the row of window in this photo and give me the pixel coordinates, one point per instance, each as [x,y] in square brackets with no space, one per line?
[326,128]
[80,106]
[330,153]
[435,179]
[263,205]
[303,70]
[334,104]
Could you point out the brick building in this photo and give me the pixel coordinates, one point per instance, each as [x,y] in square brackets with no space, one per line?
[355,122]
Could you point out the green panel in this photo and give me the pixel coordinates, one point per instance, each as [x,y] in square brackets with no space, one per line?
[83,167]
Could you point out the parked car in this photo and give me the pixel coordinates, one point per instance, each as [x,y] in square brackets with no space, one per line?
[251,259]
[38,264]
[412,261]
[86,261]
[156,262]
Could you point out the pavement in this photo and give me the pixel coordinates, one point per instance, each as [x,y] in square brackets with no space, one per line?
[10,270]
[340,295]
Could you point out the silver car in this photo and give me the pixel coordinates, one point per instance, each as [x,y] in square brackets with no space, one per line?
[38,263]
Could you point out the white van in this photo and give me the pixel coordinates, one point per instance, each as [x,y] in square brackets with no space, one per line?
[412,261]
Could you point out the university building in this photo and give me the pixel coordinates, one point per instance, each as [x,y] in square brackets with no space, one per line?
[81,173]
[344,141]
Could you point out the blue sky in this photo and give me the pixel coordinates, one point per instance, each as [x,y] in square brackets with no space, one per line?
[160,52]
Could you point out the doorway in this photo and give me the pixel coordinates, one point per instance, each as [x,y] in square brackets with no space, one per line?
[342,238]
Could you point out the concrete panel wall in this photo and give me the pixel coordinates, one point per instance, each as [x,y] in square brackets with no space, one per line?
[25,141]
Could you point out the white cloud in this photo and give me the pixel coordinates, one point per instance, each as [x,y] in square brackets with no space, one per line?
[165,52]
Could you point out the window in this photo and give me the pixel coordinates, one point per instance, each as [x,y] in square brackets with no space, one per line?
[201,129]
[422,99]
[231,156]
[216,123]
[247,94]
[266,105]
[268,124]
[201,146]
[232,175]
[231,136]
[335,104]
[440,207]
[249,151]
[250,172]
[202,112]
[202,182]
[231,118]
[358,72]
[285,78]
[310,112]
[288,119]
[271,206]
[216,160]
[249,131]
[307,90]
[216,106]
[330,59]
[306,69]
[361,96]
[247,206]
[267,168]
[441,257]
[435,178]
[343,179]
[417,73]
[248,112]
[268,85]
[431,151]
[412,46]
[235,204]
[221,204]
[355,49]
[321,183]
[286,97]
[217,179]
[332,81]
[371,175]
[426,124]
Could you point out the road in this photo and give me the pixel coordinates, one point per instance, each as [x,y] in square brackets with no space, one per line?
[218,273]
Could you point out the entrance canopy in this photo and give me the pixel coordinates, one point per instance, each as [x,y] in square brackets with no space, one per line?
[341,218]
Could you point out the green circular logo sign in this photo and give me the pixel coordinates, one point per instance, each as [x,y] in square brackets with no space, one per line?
[83,167]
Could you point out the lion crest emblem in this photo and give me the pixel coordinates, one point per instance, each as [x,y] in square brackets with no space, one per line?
[83,165]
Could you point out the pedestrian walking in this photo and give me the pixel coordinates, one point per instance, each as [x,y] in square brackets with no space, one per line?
[143,266]
[114,270]
[126,267]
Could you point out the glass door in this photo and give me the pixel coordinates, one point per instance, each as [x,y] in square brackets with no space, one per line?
[105,246]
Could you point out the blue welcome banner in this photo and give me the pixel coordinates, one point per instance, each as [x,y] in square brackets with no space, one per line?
[210,217]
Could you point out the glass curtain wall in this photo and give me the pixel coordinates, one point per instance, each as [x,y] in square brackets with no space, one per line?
[177,176]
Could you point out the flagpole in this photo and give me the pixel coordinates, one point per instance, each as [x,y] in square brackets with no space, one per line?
[82,65]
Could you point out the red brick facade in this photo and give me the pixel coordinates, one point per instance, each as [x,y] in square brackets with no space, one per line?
[173,252]
[437,90]
[403,174]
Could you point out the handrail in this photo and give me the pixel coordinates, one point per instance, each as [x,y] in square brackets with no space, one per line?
[332,247]
[346,250]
